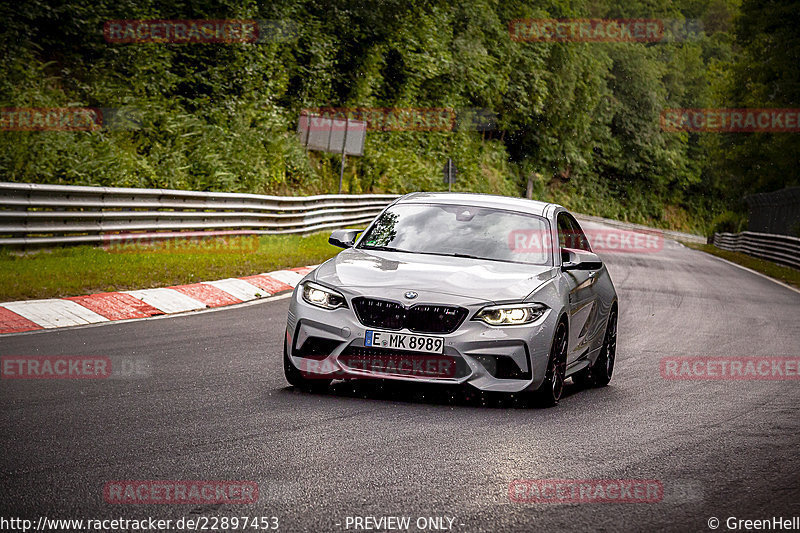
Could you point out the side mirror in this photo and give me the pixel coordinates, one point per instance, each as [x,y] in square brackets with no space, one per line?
[344,238]
[579,260]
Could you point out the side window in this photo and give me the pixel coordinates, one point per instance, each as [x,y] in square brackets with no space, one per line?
[570,234]
[564,231]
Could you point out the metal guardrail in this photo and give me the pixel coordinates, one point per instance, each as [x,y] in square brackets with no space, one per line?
[781,249]
[47,215]
[33,215]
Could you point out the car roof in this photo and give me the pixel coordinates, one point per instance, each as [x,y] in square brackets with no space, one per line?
[533,207]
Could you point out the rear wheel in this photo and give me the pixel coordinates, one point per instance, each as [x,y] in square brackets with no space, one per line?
[549,392]
[295,377]
[599,374]
[603,368]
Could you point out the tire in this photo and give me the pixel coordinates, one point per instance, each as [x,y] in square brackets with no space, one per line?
[295,377]
[549,392]
[603,368]
[599,374]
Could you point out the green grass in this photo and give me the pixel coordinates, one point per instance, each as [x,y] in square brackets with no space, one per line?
[787,275]
[82,270]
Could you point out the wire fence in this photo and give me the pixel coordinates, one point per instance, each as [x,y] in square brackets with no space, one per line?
[775,212]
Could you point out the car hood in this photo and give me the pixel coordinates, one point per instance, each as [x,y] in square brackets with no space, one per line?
[370,272]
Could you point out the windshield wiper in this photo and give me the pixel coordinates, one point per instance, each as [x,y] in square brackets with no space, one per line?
[456,254]
[466,256]
[384,249]
[443,254]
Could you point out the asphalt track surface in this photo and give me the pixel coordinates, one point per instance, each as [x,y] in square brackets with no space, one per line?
[215,406]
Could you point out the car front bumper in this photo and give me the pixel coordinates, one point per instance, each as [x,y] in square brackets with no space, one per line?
[329,344]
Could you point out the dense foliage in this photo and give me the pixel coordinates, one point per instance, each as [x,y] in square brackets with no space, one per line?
[579,119]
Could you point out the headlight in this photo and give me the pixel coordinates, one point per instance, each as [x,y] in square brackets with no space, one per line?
[511,315]
[322,297]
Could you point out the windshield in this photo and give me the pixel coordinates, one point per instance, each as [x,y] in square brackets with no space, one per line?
[457,230]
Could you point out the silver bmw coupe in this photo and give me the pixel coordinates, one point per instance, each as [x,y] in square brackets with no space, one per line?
[501,294]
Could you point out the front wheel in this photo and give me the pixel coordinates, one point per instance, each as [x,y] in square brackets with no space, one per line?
[295,377]
[549,392]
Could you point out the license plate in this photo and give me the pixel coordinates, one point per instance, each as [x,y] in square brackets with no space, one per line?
[401,341]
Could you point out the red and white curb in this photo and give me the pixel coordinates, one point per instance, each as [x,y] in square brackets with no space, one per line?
[30,315]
